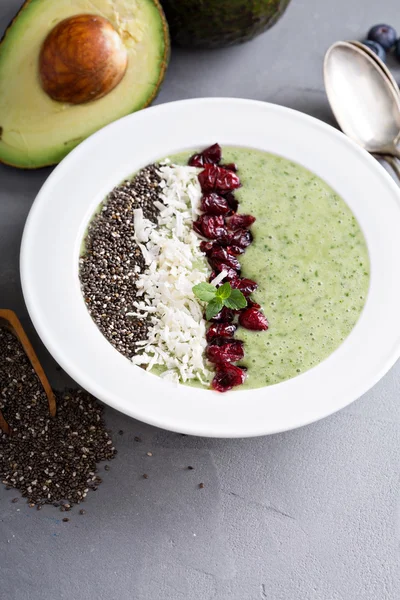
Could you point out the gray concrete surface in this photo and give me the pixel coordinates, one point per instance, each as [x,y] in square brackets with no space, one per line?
[307,515]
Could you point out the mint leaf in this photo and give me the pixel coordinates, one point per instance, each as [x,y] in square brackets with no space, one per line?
[204,291]
[213,308]
[236,300]
[224,291]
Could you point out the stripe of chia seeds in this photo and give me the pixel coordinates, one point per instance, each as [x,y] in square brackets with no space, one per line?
[108,268]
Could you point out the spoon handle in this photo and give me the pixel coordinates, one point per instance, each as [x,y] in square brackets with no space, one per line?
[392,161]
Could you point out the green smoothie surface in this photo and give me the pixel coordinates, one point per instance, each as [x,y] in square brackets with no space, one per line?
[309,258]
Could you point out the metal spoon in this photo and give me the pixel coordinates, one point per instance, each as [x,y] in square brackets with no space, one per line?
[386,157]
[363,99]
[379,62]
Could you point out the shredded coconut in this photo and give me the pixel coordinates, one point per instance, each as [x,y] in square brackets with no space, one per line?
[217,280]
[171,249]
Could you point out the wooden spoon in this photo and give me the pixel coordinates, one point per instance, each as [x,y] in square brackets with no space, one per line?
[10,321]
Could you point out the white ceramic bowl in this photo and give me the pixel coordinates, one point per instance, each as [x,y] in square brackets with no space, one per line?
[63,207]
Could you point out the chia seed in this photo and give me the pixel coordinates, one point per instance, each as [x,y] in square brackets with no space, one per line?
[112,261]
[41,455]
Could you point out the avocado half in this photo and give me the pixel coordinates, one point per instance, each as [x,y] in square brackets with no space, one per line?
[35,129]
[218,23]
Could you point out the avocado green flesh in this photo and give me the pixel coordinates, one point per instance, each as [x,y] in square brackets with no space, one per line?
[309,258]
[36,130]
[217,23]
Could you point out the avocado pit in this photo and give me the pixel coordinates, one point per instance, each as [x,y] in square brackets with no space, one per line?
[82,59]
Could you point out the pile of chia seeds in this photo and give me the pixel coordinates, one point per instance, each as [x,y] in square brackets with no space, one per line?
[48,459]
[112,261]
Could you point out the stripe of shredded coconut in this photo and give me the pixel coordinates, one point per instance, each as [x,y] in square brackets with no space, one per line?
[177,338]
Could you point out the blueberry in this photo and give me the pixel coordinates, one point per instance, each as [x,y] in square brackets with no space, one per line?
[377,48]
[384,35]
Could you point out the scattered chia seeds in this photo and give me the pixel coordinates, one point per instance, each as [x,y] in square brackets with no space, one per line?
[145,476]
[112,261]
[201,485]
[47,459]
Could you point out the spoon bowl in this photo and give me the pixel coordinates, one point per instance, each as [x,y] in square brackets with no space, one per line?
[378,61]
[386,157]
[363,99]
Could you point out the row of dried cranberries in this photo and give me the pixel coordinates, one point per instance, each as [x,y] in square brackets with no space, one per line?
[228,235]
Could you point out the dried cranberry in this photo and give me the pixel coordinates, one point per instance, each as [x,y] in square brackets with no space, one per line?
[246,286]
[213,204]
[211,155]
[227,351]
[253,319]
[235,250]
[227,376]
[219,255]
[216,179]
[230,167]
[209,247]
[222,265]
[208,178]
[226,180]
[220,330]
[197,160]
[197,227]
[226,315]
[233,203]
[239,221]
[252,304]
[212,227]
[241,238]
[206,247]
[225,238]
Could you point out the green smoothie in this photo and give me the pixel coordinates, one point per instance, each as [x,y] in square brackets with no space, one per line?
[309,258]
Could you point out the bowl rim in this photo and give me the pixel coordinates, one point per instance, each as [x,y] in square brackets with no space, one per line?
[49,281]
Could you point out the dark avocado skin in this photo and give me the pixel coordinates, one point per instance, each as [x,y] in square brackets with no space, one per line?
[219,23]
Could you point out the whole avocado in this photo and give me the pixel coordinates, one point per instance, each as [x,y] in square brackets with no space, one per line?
[218,23]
